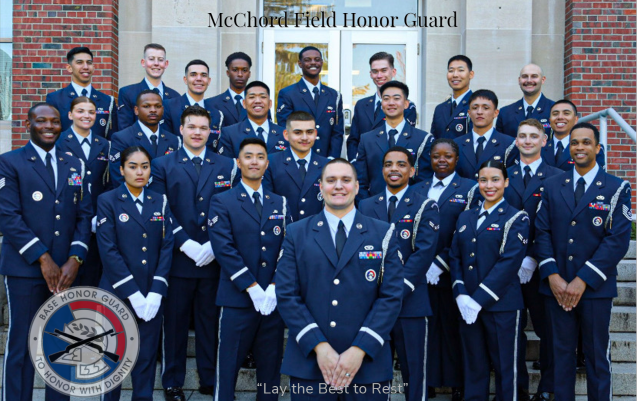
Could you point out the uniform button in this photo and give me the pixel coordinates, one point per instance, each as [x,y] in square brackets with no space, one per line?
[470,267]
[472,254]
[302,212]
[201,199]
[57,217]
[57,233]
[88,173]
[447,129]
[302,199]
[202,214]
[573,223]
[144,235]
[570,241]
[143,262]
[203,228]
[336,281]
[570,257]
[144,249]
[263,249]
[264,264]
[318,150]
[473,240]
[332,324]
[318,137]
[57,202]
[318,126]
[334,303]
[262,232]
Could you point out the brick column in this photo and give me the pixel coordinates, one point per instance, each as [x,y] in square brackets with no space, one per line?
[599,71]
[43,32]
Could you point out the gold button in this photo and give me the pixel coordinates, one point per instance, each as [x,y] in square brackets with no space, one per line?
[262,232]
[57,217]
[472,254]
[470,267]
[143,262]
[573,223]
[332,324]
[144,235]
[264,264]
[144,249]
[570,257]
[88,173]
[336,281]
[334,303]
[302,212]
[570,241]
[263,249]
[203,228]
[473,240]
[202,214]
[57,233]
[302,199]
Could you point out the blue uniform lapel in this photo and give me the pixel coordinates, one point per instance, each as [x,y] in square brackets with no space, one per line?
[147,208]
[188,166]
[95,148]
[129,206]
[353,243]
[323,101]
[63,172]
[313,172]
[38,165]
[403,139]
[564,157]
[449,190]
[380,207]
[381,141]
[489,149]
[324,239]
[536,181]
[468,152]
[306,95]
[516,180]
[492,218]
[403,206]
[592,191]
[273,138]
[74,146]
[568,193]
[144,141]
[269,207]
[207,166]
[292,169]
[247,203]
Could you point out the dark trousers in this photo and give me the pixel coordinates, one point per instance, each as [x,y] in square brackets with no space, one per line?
[90,273]
[593,317]
[317,390]
[444,354]
[409,337]
[188,296]
[242,330]
[492,338]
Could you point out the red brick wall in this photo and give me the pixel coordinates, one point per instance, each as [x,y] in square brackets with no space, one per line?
[600,72]
[43,32]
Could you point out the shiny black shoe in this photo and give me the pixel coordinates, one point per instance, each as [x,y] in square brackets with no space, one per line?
[431,392]
[536,365]
[249,363]
[174,394]
[541,397]
[457,394]
[207,390]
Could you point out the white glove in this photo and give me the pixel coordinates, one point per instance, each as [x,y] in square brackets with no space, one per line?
[94,224]
[269,303]
[433,274]
[526,271]
[191,249]
[258,296]
[138,302]
[463,302]
[206,255]
[473,308]
[153,300]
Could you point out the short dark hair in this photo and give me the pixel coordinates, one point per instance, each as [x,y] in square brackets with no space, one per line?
[30,113]
[307,48]
[484,94]
[146,92]
[253,141]
[80,100]
[382,56]
[259,84]
[77,50]
[128,152]
[196,62]
[238,56]
[155,46]
[196,111]
[565,101]
[400,149]
[495,164]
[447,141]
[463,58]
[298,116]
[337,161]
[589,126]
[395,84]
[533,123]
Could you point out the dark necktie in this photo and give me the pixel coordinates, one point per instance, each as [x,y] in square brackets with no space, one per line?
[341,237]
[483,214]
[527,176]
[49,168]
[85,150]
[529,110]
[197,162]
[392,137]
[84,92]
[153,143]
[439,184]
[580,189]
[257,203]
[260,134]
[377,110]
[302,170]
[392,207]
[139,205]
[238,104]
[315,91]
[480,148]
[453,107]
[156,90]
[558,152]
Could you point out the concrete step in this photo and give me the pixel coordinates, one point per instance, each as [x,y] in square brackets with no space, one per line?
[623,347]
[626,270]
[626,294]
[632,250]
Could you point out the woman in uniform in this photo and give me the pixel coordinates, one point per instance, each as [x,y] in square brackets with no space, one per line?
[92,150]
[486,254]
[135,239]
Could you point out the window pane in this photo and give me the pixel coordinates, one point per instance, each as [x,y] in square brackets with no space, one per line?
[6,16]
[6,51]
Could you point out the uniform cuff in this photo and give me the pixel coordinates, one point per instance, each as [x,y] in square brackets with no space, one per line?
[32,250]
[309,337]
[160,286]
[592,275]
[458,288]
[126,287]
[369,341]
[547,267]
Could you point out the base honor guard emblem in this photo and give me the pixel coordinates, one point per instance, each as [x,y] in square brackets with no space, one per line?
[370,275]
[405,234]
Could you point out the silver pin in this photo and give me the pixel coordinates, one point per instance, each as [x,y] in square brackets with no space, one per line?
[359,226]
[320,224]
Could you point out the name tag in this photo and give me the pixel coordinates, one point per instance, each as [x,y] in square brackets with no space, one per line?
[370,255]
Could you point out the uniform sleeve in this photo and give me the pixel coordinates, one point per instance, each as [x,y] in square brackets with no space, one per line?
[338,131]
[505,270]
[499,123]
[418,263]
[354,136]
[12,226]
[267,182]
[117,146]
[361,170]
[115,269]
[411,114]
[543,237]
[382,316]
[225,144]
[285,108]
[160,278]
[83,217]
[434,128]
[601,159]
[301,324]
[613,247]
[455,265]
[222,240]
[125,111]
[424,162]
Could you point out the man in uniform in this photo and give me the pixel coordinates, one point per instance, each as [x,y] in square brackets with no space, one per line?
[451,117]
[311,96]
[526,184]
[247,226]
[197,80]
[257,125]
[45,216]
[189,178]
[368,112]
[145,132]
[155,64]
[417,223]
[339,287]
[80,66]
[533,105]
[230,102]
[583,231]
[483,142]
[296,172]
[395,132]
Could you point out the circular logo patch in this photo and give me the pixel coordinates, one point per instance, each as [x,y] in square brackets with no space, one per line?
[320,196]
[597,221]
[277,230]
[103,122]
[370,275]
[84,341]
[123,217]
[37,196]
[405,234]
[459,127]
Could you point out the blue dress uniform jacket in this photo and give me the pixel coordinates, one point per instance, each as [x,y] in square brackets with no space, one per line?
[564,161]
[134,136]
[106,111]
[372,148]
[500,147]
[225,104]
[328,115]
[445,125]
[173,109]
[364,121]
[351,301]
[512,115]
[283,178]
[232,136]
[128,99]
